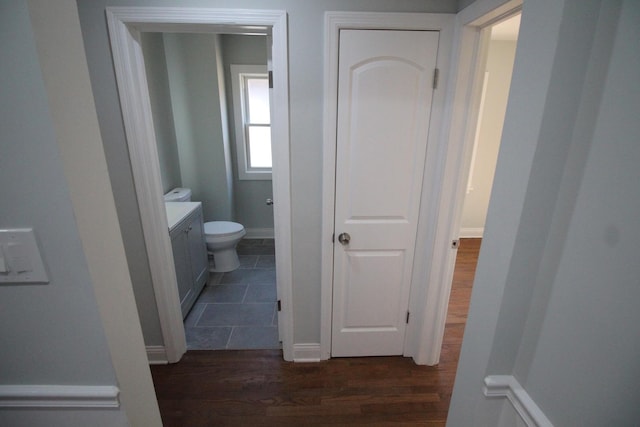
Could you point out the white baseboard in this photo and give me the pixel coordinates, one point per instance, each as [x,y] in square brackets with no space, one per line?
[259,233]
[59,396]
[157,355]
[507,386]
[471,233]
[306,352]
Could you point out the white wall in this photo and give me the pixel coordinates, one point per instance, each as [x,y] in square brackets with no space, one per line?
[554,301]
[499,66]
[305,90]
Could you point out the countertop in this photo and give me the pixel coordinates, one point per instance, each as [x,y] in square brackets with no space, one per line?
[177,211]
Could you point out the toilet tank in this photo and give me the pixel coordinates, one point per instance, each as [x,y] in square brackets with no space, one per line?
[178,195]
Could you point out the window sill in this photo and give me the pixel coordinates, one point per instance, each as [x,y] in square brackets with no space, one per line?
[254,176]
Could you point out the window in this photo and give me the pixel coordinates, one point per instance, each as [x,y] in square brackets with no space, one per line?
[250,86]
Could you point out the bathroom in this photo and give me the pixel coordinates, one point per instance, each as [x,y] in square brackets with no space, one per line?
[192,101]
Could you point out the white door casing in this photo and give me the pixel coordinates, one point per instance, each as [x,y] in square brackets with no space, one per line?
[125,25]
[384,102]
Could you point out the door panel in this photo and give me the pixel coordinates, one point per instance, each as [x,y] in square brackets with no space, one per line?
[384,100]
[374,165]
[364,289]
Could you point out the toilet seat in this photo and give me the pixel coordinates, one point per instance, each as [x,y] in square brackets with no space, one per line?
[222,228]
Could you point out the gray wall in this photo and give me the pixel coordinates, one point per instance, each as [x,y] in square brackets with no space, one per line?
[217,192]
[155,64]
[250,196]
[160,98]
[499,65]
[556,289]
[198,103]
[51,334]
[306,29]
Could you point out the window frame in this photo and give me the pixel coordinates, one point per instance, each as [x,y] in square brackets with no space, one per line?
[239,91]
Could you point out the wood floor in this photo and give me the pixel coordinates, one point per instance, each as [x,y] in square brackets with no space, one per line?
[257,388]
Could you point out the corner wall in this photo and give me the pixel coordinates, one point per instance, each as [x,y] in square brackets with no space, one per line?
[63,336]
[155,64]
[192,65]
[553,306]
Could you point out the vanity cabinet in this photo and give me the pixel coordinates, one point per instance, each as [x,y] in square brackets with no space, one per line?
[189,253]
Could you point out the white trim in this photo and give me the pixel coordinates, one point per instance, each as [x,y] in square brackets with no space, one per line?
[259,233]
[125,25]
[59,396]
[157,355]
[463,99]
[136,111]
[471,233]
[309,352]
[334,21]
[507,386]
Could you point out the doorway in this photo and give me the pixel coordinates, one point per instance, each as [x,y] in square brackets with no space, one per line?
[202,88]
[417,330]
[498,42]
[495,68]
[385,89]
[125,26]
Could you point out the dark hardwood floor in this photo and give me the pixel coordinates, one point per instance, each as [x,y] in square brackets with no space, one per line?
[257,388]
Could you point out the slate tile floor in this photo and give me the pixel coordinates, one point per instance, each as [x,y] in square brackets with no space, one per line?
[237,310]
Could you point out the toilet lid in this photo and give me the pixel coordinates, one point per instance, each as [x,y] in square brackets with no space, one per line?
[222,228]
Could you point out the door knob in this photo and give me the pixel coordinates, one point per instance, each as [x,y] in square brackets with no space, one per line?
[269,202]
[344,238]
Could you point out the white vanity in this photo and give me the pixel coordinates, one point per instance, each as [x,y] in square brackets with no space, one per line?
[189,250]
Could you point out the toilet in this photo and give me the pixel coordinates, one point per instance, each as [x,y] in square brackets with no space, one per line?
[221,237]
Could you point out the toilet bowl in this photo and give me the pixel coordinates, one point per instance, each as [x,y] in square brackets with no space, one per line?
[221,238]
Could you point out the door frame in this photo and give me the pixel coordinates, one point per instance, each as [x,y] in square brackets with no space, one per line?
[460,118]
[419,331]
[125,25]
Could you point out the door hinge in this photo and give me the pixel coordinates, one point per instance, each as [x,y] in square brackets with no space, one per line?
[408,317]
[270,79]
[333,238]
[436,75]
[279,306]
[455,244]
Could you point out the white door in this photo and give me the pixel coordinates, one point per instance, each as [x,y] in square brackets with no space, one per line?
[384,101]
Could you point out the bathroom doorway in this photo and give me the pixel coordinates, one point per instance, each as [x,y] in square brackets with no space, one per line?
[125,28]
[202,88]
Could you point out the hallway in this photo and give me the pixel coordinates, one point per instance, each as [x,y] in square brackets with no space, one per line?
[238,388]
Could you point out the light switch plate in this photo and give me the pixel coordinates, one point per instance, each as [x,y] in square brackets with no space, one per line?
[22,263]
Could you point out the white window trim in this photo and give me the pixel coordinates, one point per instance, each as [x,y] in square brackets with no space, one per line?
[244,171]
